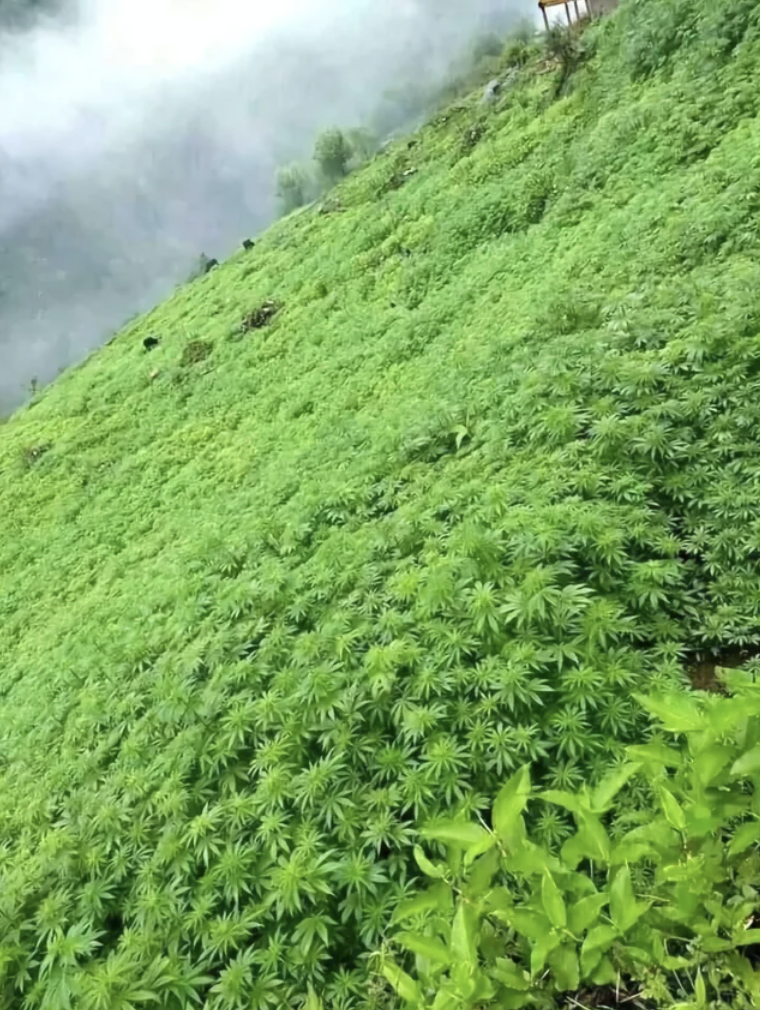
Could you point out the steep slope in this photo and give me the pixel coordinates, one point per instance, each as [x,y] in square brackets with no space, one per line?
[269,596]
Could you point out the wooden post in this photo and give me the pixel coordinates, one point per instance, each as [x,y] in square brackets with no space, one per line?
[546,19]
[567,12]
[577,11]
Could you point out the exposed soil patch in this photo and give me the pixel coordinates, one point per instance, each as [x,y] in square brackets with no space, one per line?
[260,317]
[702,667]
[195,352]
[607,998]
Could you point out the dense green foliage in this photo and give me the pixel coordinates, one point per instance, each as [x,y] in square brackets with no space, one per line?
[300,578]
[667,908]
[332,154]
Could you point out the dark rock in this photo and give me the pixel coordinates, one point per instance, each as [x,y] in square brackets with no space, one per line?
[248,243]
[491,92]
[202,267]
[495,88]
[260,317]
[150,343]
[35,452]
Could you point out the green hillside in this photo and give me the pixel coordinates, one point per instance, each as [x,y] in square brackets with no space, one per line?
[273,595]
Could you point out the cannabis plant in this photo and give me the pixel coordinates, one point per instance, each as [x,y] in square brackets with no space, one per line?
[666,910]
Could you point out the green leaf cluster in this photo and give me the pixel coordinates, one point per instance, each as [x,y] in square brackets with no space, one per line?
[665,911]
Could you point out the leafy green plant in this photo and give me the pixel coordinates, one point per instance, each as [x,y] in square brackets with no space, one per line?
[665,909]
[658,33]
[293,187]
[336,153]
[521,46]
[332,153]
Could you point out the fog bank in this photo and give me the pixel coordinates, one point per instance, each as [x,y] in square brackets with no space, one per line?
[135,134]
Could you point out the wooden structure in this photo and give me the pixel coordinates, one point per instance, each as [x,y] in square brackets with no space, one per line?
[543,4]
[587,9]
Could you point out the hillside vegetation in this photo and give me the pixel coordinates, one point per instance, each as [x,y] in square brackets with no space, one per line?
[423,488]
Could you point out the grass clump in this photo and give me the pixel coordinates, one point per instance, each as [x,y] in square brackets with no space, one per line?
[494,470]
[195,352]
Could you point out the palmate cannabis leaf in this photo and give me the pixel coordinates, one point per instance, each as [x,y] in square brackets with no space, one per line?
[259,623]
[541,928]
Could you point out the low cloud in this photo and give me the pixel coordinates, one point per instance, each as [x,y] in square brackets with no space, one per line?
[136,133]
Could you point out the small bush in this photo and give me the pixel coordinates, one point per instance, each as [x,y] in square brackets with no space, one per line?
[517,54]
[196,351]
[293,187]
[569,49]
[332,153]
[520,47]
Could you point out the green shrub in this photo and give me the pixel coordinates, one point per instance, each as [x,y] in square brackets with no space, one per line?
[521,46]
[518,53]
[336,153]
[332,153]
[569,48]
[665,909]
[293,187]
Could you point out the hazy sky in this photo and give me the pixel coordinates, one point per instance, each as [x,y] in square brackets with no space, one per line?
[144,131]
